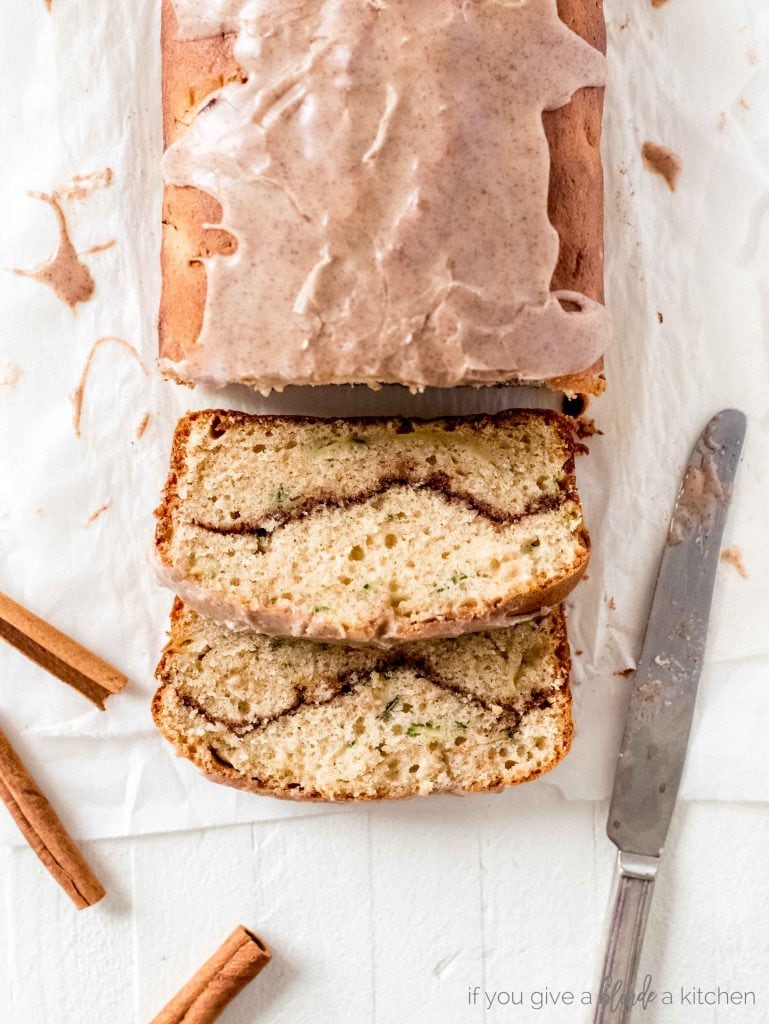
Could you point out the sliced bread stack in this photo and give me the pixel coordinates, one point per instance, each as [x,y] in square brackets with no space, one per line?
[369,608]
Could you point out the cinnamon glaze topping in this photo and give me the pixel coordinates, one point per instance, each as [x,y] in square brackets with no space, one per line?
[384,172]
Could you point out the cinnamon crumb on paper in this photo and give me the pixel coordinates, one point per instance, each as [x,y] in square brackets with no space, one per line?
[610,604]
[143,423]
[733,556]
[663,161]
[11,377]
[585,427]
[78,395]
[659,3]
[95,515]
[660,318]
[624,672]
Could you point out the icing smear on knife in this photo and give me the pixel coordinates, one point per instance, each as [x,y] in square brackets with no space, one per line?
[702,494]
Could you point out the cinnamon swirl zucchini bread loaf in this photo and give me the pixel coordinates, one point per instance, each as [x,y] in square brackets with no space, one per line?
[371,530]
[313,721]
[383,192]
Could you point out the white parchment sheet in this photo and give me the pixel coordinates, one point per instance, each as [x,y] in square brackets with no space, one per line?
[688,284]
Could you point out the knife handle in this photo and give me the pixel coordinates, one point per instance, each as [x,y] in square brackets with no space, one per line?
[633,894]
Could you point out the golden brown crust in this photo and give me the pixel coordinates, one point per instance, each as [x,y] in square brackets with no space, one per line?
[216,770]
[185,243]
[574,136]
[169,503]
[281,623]
[193,69]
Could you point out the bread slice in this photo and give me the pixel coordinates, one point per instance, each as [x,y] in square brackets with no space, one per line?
[371,530]
[195,68]
[312,721]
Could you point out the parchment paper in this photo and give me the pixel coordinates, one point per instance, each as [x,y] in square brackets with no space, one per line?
[688,284]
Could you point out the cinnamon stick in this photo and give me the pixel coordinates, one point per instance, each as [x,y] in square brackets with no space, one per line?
[236,962]
[58,654]
[43,830]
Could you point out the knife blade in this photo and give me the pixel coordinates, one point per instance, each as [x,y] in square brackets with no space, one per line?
[659,716]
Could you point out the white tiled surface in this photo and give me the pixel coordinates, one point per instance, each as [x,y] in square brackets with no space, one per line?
[389,914]
[384,914]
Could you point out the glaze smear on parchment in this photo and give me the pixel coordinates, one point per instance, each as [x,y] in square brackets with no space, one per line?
[385,173]
[78,395]
[82,185]
[65,273]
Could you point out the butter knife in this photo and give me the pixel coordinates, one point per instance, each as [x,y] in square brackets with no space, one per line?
[659,716]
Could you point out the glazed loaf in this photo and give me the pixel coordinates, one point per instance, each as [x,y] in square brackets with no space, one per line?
[371,530]
[196,243]
[312,721]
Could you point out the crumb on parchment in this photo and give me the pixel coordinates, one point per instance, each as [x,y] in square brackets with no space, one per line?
[733,556]
[663,161]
